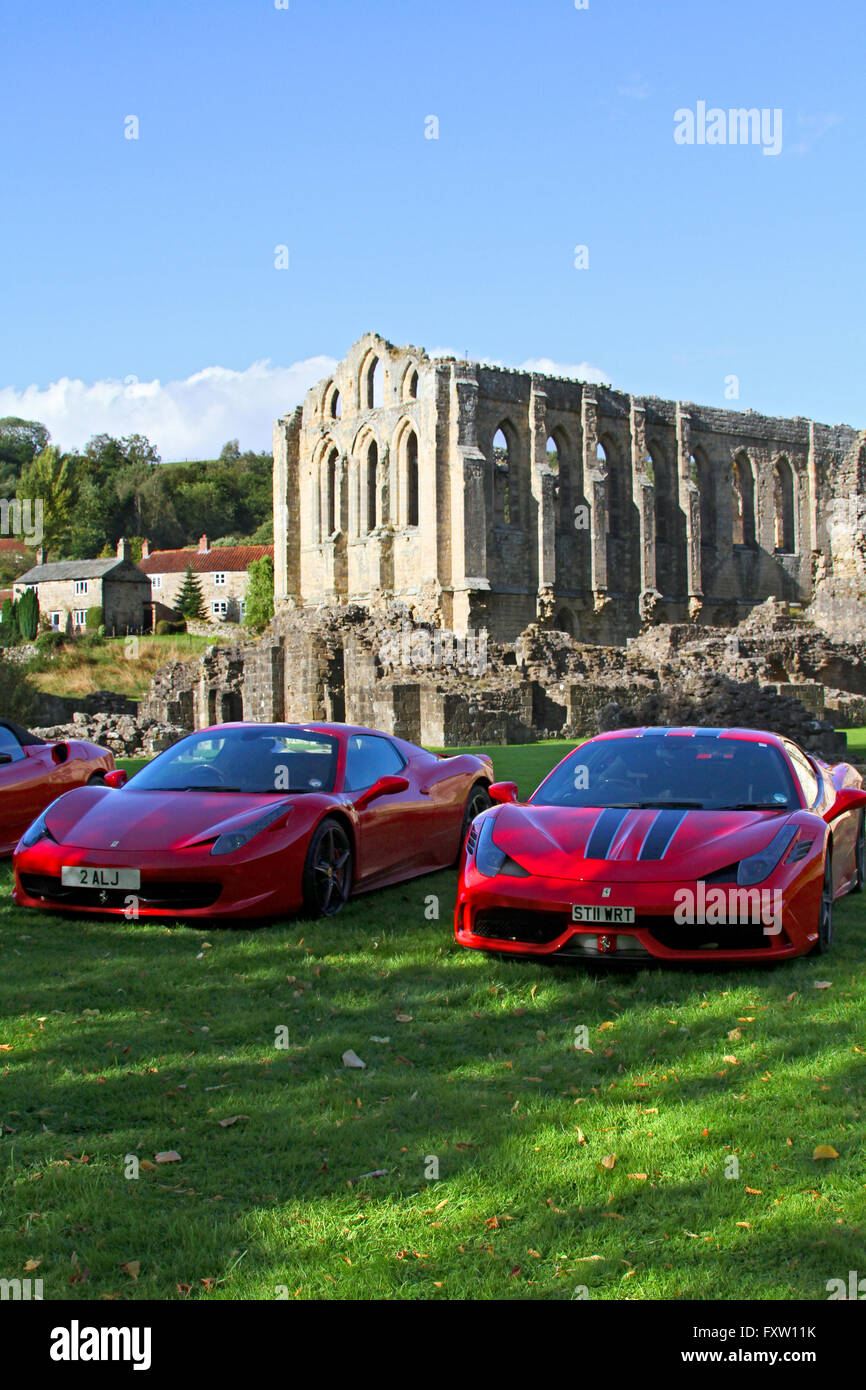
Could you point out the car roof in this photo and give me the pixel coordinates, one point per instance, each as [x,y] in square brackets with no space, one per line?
[313,726]
[692,731]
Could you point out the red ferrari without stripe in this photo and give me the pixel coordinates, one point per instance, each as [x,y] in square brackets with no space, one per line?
[672,843]
[33,773]
[253,820]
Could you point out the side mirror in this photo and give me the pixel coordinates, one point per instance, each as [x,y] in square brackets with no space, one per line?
[60,752]
[385,786]
[117,779]
[503,792]
[848,799]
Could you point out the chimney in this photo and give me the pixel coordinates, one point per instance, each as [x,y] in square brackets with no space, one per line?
[123,549]
[145,550]
[203,546]
[40,555]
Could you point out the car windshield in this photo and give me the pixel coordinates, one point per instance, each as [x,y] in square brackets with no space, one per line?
[267,758]
[706,772]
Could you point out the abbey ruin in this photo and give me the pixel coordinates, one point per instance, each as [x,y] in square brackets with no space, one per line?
[488,499]
[471,555]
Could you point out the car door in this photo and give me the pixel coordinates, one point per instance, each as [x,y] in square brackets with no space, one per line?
[388,827]
[24,788]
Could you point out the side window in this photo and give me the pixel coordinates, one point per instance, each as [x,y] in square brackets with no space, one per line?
[805,774]
[10,749]
[367,759]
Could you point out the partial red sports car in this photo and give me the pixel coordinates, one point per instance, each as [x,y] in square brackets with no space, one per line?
[253,820]
[33,773]
[678,844]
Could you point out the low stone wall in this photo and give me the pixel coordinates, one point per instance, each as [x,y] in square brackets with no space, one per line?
[124,736]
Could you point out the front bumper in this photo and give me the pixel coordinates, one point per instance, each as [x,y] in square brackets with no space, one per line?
[190,883]
[533,916]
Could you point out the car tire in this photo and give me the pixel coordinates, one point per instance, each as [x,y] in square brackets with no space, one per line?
[860,857]
[825,911]
[97,781]
[328,868]
[477,801]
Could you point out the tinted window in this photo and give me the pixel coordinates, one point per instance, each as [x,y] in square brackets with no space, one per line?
[704,771]
[268,758]
[10,746]
[367,759]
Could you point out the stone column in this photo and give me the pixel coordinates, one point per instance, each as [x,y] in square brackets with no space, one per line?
[542,483]
[643,496]
[595,487]
[690,502]
[288,512]
[469,493]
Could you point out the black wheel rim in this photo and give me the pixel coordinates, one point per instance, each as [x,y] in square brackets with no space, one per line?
[826,925]
[331,871]
[478,802]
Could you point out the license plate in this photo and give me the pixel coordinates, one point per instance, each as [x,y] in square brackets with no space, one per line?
[601,914]
[85,876]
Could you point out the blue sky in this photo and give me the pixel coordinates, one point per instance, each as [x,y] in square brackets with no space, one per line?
[153,259]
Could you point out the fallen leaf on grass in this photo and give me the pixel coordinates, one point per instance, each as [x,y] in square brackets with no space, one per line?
[32,1264]
[755,1191]
[232,1120]
[608,1161]
[822,984]
[168,1156]
[351,1059]
[638,1177]
[131,1267]
[825,1151]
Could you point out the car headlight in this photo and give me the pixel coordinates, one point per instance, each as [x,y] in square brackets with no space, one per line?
[490,860]
[759,866]
[236,839]
[37,831]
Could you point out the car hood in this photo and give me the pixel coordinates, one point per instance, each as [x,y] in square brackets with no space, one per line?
[630,845]
[102,818]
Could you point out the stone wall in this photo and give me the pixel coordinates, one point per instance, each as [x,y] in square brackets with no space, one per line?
[486,498]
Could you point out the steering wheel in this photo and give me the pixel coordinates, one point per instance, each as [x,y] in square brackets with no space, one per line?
[213,773]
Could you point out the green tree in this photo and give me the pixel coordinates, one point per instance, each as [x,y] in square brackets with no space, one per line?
[260,594]
[20,442]
[190,599]
[9,622]
[28,615]
[49,479]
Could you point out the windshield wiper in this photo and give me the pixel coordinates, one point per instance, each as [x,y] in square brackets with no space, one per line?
[756,806]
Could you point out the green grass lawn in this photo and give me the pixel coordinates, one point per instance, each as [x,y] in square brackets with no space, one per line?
[495,1135]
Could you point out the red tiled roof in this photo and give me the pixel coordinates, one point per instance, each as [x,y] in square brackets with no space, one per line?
[227,557]
[13,543]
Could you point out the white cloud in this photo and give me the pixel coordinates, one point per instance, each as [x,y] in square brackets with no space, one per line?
[192,418]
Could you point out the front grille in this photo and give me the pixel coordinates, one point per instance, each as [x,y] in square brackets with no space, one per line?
[513,924]
[171,896]
[736,936]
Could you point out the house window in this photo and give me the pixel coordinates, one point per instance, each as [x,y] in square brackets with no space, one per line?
[81,586]
[243,608]
[219,579]
[220,607]
[55,621]
[79,617]
[156,581]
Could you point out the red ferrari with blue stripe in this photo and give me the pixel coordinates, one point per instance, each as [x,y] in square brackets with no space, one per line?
[672,843]
[253,820]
